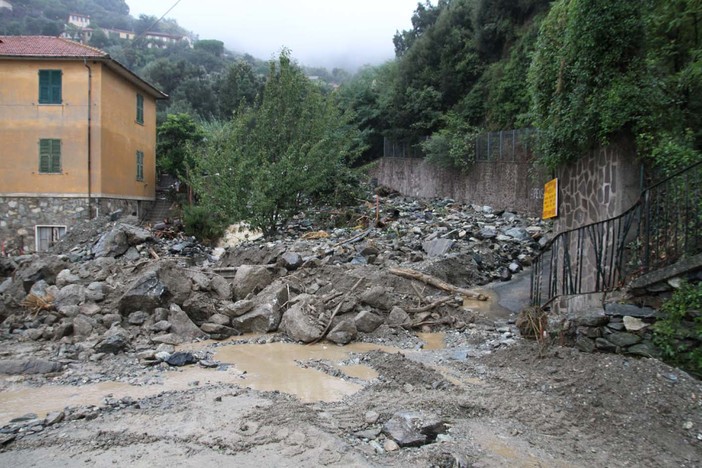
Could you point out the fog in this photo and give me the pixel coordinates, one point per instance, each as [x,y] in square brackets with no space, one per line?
[329,33]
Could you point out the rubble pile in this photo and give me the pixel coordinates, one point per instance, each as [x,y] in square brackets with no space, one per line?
[112,286]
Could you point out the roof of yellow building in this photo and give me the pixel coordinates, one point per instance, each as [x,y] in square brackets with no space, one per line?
[58,48]
[46,46]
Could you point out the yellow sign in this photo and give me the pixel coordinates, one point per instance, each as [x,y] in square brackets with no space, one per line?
[550,199]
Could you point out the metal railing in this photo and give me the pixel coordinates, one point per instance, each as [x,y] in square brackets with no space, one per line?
[663,226]
[506,145]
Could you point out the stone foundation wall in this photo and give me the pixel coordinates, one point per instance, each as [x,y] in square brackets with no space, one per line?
[514,186]
[20,215]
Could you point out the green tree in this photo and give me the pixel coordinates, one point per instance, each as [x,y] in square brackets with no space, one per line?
[273,159]
[174,138]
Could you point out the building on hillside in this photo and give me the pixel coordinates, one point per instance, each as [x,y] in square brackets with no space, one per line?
[78,20]
[163,40]
[78,138]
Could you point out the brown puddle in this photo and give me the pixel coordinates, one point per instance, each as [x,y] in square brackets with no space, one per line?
[490,308]
[265,367]
[432,341]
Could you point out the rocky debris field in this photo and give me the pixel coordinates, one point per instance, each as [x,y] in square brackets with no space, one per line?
[115,302]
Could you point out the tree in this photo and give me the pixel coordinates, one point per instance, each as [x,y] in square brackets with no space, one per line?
[173,139]
[271,160]
[211,46]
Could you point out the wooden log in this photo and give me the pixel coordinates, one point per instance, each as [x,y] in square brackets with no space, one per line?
[437,283]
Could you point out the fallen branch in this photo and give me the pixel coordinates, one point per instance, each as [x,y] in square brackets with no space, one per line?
[336,311]
[437,283]
[153,254]
[428,307]
[354,239]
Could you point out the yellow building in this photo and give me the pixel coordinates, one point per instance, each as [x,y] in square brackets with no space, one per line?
[77,138]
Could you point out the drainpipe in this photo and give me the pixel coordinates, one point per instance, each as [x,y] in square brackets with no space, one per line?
[90,118]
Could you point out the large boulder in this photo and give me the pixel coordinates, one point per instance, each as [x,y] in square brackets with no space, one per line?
[40,268]
[266,313]
[367,321]
[200,307]
[146,293]
[73,294]
[178,285]
[302,321]
[182,326]
[377,297]
[221,287]
[117,241]
[413,429]
[251,279]
[344,333]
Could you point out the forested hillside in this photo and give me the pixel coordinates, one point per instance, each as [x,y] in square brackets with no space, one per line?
[580,71]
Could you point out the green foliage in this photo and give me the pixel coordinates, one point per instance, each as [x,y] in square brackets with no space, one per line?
[605,69]
[174,137]
[678,334]
[205,225]
[271,160]
[211,46]
[452,147]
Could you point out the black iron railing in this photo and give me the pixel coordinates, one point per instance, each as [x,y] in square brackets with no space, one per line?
[664,226]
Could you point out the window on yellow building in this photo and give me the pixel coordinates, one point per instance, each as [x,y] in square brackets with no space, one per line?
[140,165]
[140,109]
[50,156]
[50,86]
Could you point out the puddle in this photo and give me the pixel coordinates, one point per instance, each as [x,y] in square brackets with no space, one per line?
[265,367]
[432,341]
[490,308]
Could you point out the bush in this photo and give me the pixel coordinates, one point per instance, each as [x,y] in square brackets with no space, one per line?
[200,222]
[679,333]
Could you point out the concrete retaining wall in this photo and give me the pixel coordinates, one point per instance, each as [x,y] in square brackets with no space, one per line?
[502,185]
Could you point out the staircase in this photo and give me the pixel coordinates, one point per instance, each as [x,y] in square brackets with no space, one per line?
[159,211]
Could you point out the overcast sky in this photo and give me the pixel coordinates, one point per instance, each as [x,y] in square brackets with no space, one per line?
[330,33]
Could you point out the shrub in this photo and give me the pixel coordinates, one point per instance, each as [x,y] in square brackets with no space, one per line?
[200,222]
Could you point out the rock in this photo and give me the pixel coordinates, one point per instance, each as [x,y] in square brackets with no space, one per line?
[220,319]
[371,417]
[390,445]
[73,294]
[604,345]
[82,326]
[40,268]
[177,285]
[518,233]
[167,348]
[169,339]
[267,312]
[505,274]
[54,418]
[145,293]
[585,344]
[29,366]
[137,318]
[645,349]
[34,334]
[344,333]
[634,324]
[132,254]
[251,279]
[200,281]
[369,434]
[302,321]
[96,291]
[377,297]
[437,247]
[109,319]
[5,285]
[623,339]
[367,321]
[290,261]
[222,287]
[66,277]
[217,331]
[200,307]
[64,329]
[113,344]
[90,309]
[182,326]
[413,429]
[398,317]
[181,359]
[238,308]
[591,318]
[117,241]
[487,233]
[630,310]
[514,267]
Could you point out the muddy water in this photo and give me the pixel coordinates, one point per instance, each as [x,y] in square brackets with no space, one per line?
[267,367]
[432,341]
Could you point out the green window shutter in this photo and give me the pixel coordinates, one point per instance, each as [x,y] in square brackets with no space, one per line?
[140,109]
[44,155]
[139,165]
[50,156]
[50,84]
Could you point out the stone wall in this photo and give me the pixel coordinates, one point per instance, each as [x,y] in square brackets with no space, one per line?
[20,215]
[515,186]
